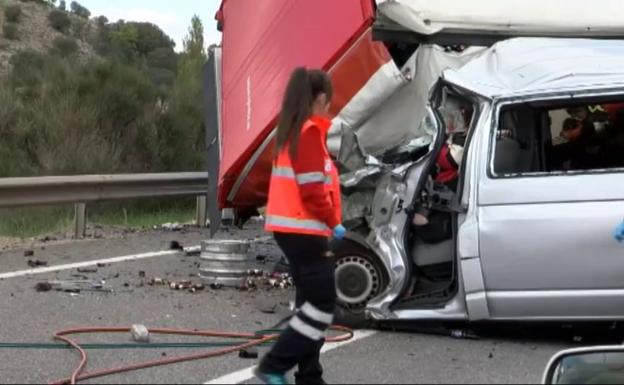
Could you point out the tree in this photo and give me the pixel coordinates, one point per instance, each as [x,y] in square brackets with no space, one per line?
[59,21]
[62,5]
[102,21]
[185,106]
[64,46]
[194,41]
[194,55]
[79,10]
[13,13]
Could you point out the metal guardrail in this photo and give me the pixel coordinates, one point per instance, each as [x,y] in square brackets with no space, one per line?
[82,189]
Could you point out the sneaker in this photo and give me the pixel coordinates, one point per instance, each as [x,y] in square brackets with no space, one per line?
[270,379]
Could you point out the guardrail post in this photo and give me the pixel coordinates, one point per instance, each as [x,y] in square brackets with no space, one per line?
[202,211]
[80,220]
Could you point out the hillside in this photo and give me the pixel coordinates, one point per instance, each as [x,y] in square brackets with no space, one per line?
[35,33]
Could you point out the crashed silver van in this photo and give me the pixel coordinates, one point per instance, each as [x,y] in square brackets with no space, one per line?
[526,232]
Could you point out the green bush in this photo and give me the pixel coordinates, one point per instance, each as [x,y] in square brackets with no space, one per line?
[12,13]
[10,31]
[60,21]
[64,46]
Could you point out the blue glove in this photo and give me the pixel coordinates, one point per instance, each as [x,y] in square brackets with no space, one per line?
[619,232]
[339,232]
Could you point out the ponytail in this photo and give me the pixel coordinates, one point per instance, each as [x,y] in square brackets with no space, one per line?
[302,90]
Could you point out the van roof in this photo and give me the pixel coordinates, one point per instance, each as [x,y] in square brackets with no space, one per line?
[529,66]
[483,22]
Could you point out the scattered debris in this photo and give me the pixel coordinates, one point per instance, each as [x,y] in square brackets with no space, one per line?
[172,226]
[189,286]
[140,333]
[175,245]
[192,251]
[100,265]
[141,274]
[29,253]
[42,287]
[216,286]
[88,270]
[258,279]
[267,308]
[75,286]
[79,276]
[250,353]
[197,287]
[491,356]
[462,334]
[37,263]
[158,282]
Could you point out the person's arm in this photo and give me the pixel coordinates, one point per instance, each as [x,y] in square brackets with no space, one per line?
[309,167]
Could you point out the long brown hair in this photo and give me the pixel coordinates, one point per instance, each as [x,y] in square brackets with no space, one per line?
[303,88]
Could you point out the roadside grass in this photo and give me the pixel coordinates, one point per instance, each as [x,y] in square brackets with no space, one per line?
[36,221]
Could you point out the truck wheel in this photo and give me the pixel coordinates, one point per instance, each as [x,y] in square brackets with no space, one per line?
[360,277]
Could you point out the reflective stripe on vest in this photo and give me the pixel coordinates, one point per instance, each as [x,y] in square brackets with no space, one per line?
[301,224]
[302,179]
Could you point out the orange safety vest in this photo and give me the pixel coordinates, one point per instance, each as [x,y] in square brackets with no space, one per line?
[286,211]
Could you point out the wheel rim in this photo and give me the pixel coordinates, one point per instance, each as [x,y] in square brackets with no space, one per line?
[357,281]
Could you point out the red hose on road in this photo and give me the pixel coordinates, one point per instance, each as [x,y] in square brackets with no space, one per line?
[254,340]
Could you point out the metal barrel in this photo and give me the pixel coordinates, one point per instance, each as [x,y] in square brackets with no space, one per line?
[224,262]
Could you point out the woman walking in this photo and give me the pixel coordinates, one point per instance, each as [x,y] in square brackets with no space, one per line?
[303,212]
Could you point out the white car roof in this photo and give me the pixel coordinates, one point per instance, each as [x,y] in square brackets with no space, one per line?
[528,66]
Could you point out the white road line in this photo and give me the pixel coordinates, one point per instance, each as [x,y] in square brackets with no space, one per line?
[78,265]
[247,374]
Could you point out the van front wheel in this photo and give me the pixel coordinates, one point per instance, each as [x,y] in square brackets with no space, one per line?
[360,277]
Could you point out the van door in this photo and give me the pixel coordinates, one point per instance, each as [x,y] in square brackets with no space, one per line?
[546,235]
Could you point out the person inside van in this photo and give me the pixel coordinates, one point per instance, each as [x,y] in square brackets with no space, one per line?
[580,150]
[434,227]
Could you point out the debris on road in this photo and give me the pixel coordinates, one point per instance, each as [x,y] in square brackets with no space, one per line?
[267,308]
[29,253]
[140,333]
[192,251]
[74,286]
[36,263]
[171,226]
[249,354]
[43,287]
[175,245]
[186,285]
[87,270]
[463,335]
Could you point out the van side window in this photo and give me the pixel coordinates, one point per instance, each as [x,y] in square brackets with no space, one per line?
[538,138]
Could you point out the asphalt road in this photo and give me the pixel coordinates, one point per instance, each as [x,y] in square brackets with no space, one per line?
[383,357]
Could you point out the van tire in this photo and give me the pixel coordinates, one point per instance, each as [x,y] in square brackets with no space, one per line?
[360,276]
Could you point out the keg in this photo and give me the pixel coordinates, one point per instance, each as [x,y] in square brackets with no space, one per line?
[224,262]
